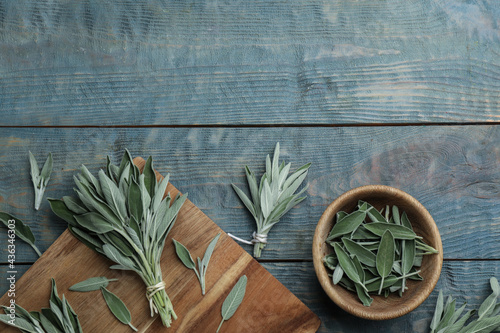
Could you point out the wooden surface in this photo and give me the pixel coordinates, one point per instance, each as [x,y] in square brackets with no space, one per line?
[268,306]
[400,93]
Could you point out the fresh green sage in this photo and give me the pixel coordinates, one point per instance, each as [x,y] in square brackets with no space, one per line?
[374,251]
[448,319]
[124,215]
[187,260]
[21,230]
[117,307]
[272,198]
[40,178]
[59,318]
[91,284]
[233,300]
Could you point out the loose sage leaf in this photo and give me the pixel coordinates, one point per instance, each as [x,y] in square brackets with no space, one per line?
[233,300]
[21,230]
[40,179]
[397,231]
[184,255]
[363,295]
[347,225]
[364,255]
[91,284]
[338,273]
[209,251]
[385,256]
[117,307]
[347,264]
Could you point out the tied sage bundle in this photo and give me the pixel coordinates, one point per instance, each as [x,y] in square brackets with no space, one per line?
[272,198]
[123,215]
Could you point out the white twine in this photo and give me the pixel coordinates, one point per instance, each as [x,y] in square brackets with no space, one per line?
[150,291]
[256,238]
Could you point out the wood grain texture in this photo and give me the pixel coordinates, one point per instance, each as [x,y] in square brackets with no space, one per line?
[452,175]
[248,62]
[452,170]
[267,307]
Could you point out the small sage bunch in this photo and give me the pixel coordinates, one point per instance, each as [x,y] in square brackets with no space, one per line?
[448,319]
[59,317]
[124,215]
[272,198]
[40,178]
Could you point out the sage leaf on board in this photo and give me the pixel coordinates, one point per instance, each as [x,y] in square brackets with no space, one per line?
[364,260]
[186,258]
[233,300]
[39,178]
[59,318]
[21,230]
[272,198]
[117,307]
[447,319]
[91,284]
[124,214]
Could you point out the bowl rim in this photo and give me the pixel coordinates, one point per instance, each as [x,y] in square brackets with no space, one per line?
[321,272]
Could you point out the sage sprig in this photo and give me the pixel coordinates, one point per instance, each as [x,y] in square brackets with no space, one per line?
[374,251]
[186,258]
[272,198]
[448,319]
[40,178]
[58,318]
[21,230]
[117,307]
[124,215]
[233,300]
[92,284]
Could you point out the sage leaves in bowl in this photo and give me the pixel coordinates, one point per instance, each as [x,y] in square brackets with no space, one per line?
[377,252]
[124,215]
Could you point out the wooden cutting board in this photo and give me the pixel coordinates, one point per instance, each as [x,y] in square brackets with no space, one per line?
[268,306]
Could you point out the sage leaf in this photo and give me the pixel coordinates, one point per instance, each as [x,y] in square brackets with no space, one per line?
[117,307]
[347,264]
[365,256]
[347,225]
[91,284]
[233,300]
[184,255]
[385,256]
[338,273]
[94,222]
[39,178]
[21,230]
[489,303]
[363,295]
[484,326]
[19,323]
[397,231]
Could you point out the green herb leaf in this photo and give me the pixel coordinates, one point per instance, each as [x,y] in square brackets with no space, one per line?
[117,307]
[184,255]
[489,303]
[21,230]
[347,264]
[364,255]
[347,225]
[385,256]
[91,284]
[397,231]
[233,300]
[40,179]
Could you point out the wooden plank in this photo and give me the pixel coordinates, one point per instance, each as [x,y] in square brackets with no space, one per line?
[467,281]
[69,261]
[253,62]
[452,170]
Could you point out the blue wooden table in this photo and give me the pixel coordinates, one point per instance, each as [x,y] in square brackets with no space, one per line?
[402,93]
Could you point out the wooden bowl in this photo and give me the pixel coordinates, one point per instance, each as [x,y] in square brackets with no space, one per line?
[393,306]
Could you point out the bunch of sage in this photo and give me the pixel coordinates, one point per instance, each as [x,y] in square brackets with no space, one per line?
[40,178]
[58,318]
[272,198]
[186,258]
[374,252]
[123,215]
[114,303]
[448,319]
